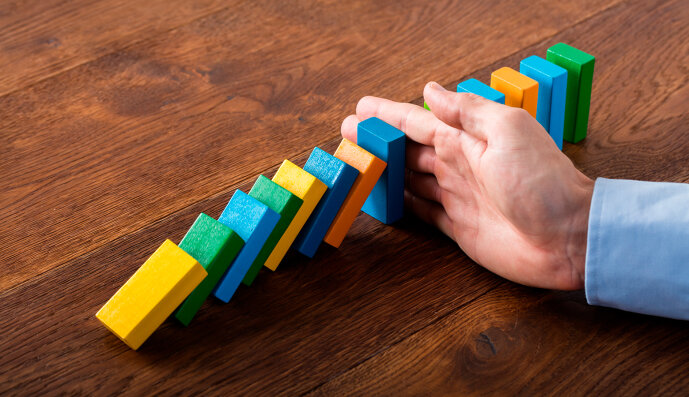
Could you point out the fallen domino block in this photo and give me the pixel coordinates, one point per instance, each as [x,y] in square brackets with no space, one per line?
[552,94]
[214,246]
[579,66]
[476,87]
[386,201]
[520,91]
[339,177]
[308,188]
[280,200]
[151,294]
[370,169]
[254,222]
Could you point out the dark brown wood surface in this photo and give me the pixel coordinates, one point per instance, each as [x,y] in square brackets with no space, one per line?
[120,121]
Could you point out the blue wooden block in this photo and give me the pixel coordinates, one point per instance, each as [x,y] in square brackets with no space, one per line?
[386,201]
[254,222]
[339,177]
[552,94]
[474,86]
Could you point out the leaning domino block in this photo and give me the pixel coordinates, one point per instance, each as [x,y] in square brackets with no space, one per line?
[520,91]
[370,169]
[476,87]
[308,188]
[386,201]
[280,200]
[214,246]
[552,94]
[151,294]
[254,222]
[579,66]
[339,178]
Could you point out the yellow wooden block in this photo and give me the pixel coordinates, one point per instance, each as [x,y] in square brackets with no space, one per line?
[520,91]
[151,294]
[308,188]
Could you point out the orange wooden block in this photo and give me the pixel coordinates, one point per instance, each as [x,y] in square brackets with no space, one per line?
[370,169]
[520,91]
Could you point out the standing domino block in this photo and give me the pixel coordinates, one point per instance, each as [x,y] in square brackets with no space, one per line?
[214,246]
[280,200]
[254,222]
[579,66]
[339,178]
[474,86]
[370,169]
[552,94]
[151,294]
[308,188]
[520,91]
[386,201]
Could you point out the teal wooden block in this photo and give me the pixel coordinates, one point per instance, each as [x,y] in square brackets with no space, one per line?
[552,94]
[476,87]
[254,222]
[386,201]
[339,177]
[214,246]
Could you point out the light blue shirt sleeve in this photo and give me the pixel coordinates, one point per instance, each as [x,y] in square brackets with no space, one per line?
[637,255]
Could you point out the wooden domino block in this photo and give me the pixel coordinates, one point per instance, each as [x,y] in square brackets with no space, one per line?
[552,94]
[308,188]
[520,91]
[370,169]
[214,246]
[284,203]
[579,66]
[339,177]
[386,201]
[254,222]
[476,87]
[151,294]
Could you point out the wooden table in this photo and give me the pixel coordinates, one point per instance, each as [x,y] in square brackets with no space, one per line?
[121,120]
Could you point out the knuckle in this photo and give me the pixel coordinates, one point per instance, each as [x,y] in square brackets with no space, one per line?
[514,115]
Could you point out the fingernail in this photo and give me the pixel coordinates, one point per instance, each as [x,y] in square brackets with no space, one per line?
[435,86]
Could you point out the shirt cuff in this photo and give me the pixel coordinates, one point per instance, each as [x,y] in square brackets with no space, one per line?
[637,253]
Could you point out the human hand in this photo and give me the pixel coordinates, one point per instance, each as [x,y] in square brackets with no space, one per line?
[489,177]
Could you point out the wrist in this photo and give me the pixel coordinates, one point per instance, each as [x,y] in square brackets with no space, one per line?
[578,231]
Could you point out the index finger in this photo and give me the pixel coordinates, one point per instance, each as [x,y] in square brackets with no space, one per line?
[417,123]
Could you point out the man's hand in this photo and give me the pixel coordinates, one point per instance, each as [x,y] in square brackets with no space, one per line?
[490,177]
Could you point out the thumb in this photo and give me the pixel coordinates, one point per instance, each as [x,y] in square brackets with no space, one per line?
[467,112]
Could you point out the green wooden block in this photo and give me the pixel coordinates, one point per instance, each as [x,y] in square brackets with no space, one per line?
[280,200]
[425,106]
[579,66]
[214,246]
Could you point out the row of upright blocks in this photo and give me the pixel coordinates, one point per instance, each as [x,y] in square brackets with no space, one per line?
[299,208]
[556,90]
[302,207]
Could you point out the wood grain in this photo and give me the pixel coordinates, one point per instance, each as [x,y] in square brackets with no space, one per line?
[520,341]
[106,154]
[105,148]
[42,38]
